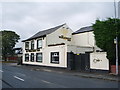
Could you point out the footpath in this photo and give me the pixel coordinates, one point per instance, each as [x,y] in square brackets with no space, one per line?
[104,76]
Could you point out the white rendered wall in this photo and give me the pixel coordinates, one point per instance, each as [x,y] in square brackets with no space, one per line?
[102,63]
[47,58]
[78,49]
[53,38]
[85,39]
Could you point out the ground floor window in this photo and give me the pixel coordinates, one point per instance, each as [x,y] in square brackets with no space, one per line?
[38,57]
[32,57]
[55,57]
[26,57]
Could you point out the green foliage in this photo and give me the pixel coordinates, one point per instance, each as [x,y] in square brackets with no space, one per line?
[105,33]
[9,39]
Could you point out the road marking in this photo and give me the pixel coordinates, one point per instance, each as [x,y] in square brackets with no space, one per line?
[45,81]
[19,78]
[52,83]
[1,71]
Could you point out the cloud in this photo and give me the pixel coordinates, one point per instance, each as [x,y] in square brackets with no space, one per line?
[28,18]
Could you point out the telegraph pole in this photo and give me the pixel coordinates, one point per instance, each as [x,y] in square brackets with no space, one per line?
[116,41]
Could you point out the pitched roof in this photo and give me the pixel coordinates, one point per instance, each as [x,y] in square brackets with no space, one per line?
[84,29]
[44,32]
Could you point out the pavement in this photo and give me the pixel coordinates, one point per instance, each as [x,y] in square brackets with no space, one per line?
[105,76]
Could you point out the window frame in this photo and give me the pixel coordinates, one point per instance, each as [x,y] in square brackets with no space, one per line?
[28,57]
[32,45]
[32,58]
[57,57]
[38,43]
[26,48]
[37,57]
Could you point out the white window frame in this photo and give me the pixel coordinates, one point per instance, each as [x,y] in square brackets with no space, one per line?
[37,57]
[38,43]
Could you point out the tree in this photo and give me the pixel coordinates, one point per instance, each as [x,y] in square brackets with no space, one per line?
[105,33]
[9,39]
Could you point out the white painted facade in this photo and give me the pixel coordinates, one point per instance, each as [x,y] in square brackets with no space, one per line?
[85,39]
[46,56]
[98,60]
[51,39]
[79,49]
[79,43]
[85,42]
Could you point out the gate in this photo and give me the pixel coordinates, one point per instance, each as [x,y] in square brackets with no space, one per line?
[80,62]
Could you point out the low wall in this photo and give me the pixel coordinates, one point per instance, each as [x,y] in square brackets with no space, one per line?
[113,69]
[99,62]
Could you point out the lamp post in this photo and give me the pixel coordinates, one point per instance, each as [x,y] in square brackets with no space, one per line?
[116,42]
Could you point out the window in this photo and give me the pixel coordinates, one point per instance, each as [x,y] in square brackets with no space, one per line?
[38,57]
[32,57]
[55,57]
[32,44]
[26,57]
[26,45]
[39,43]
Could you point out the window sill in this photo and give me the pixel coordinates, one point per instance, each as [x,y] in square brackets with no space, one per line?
[39,61]
[55,62]
[26,61]
[39,48]
[31,61]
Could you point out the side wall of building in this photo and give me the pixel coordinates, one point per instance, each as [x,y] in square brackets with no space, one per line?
[54,38]
[85,42]
[85,39]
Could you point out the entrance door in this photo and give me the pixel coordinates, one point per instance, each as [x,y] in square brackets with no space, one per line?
[82,62]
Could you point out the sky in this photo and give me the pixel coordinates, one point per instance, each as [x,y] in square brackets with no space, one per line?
[28,18]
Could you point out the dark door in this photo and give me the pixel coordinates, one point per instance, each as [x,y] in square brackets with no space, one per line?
[82,62]
[77,63]
[70,61]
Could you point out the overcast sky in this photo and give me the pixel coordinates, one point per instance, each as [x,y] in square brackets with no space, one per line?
[28,18]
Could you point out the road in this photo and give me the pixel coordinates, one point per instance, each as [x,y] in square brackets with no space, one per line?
[17,77]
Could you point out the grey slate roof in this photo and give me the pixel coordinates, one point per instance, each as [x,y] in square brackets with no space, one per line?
[84,29]
[44,32]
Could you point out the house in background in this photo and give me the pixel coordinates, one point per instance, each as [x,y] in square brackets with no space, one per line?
[61,47]
[16,56]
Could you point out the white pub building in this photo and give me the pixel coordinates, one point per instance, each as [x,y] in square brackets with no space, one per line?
[61,47]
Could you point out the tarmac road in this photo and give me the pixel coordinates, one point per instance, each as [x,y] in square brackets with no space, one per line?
[14,77]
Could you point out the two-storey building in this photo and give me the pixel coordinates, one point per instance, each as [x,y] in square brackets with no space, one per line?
[61,47]
[48,47]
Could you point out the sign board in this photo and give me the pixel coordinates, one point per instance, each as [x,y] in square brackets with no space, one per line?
[63,37]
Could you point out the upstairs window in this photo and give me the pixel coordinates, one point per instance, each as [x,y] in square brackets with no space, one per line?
[38,57]
[32,57]
[32,44]
[39,43]
[26,45]
[55,57]
[26,57]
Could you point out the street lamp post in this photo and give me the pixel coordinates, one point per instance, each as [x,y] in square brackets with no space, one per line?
[116,42]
